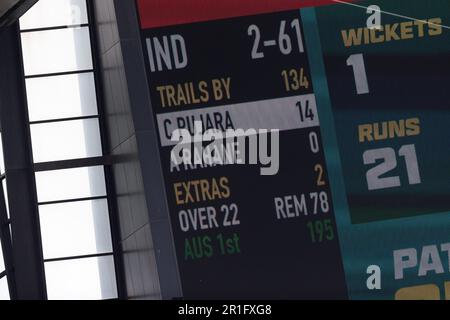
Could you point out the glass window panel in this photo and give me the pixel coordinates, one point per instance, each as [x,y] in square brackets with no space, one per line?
[81,279]
[54,51]
[2,158]
[55,13]
[66,140]
[70,184]
[2,261]
[75,229]
[5,192]
[4,291]
[60,97]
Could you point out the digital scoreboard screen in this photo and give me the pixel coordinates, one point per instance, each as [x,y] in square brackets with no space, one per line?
[336,180]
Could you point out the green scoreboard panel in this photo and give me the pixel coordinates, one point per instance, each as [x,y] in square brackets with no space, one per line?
[359,204]
[387,88]
[389,99]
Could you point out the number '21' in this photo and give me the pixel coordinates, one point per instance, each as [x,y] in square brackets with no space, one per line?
[388,155]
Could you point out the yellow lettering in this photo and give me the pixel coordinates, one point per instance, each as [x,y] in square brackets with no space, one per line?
[352,37]
[406,30]
[365,133]
[435,26]
[413,127]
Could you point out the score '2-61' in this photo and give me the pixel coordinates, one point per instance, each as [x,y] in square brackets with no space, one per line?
[285,42]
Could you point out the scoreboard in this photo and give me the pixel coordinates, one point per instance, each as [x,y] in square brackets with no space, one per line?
[338,183]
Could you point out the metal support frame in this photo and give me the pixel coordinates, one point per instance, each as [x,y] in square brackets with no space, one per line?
[28,277]
[24,260]
[5,236]
[16,12]
[107,161]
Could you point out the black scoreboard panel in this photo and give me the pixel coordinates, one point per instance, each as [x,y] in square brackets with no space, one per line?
[238,233]
[349,125]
